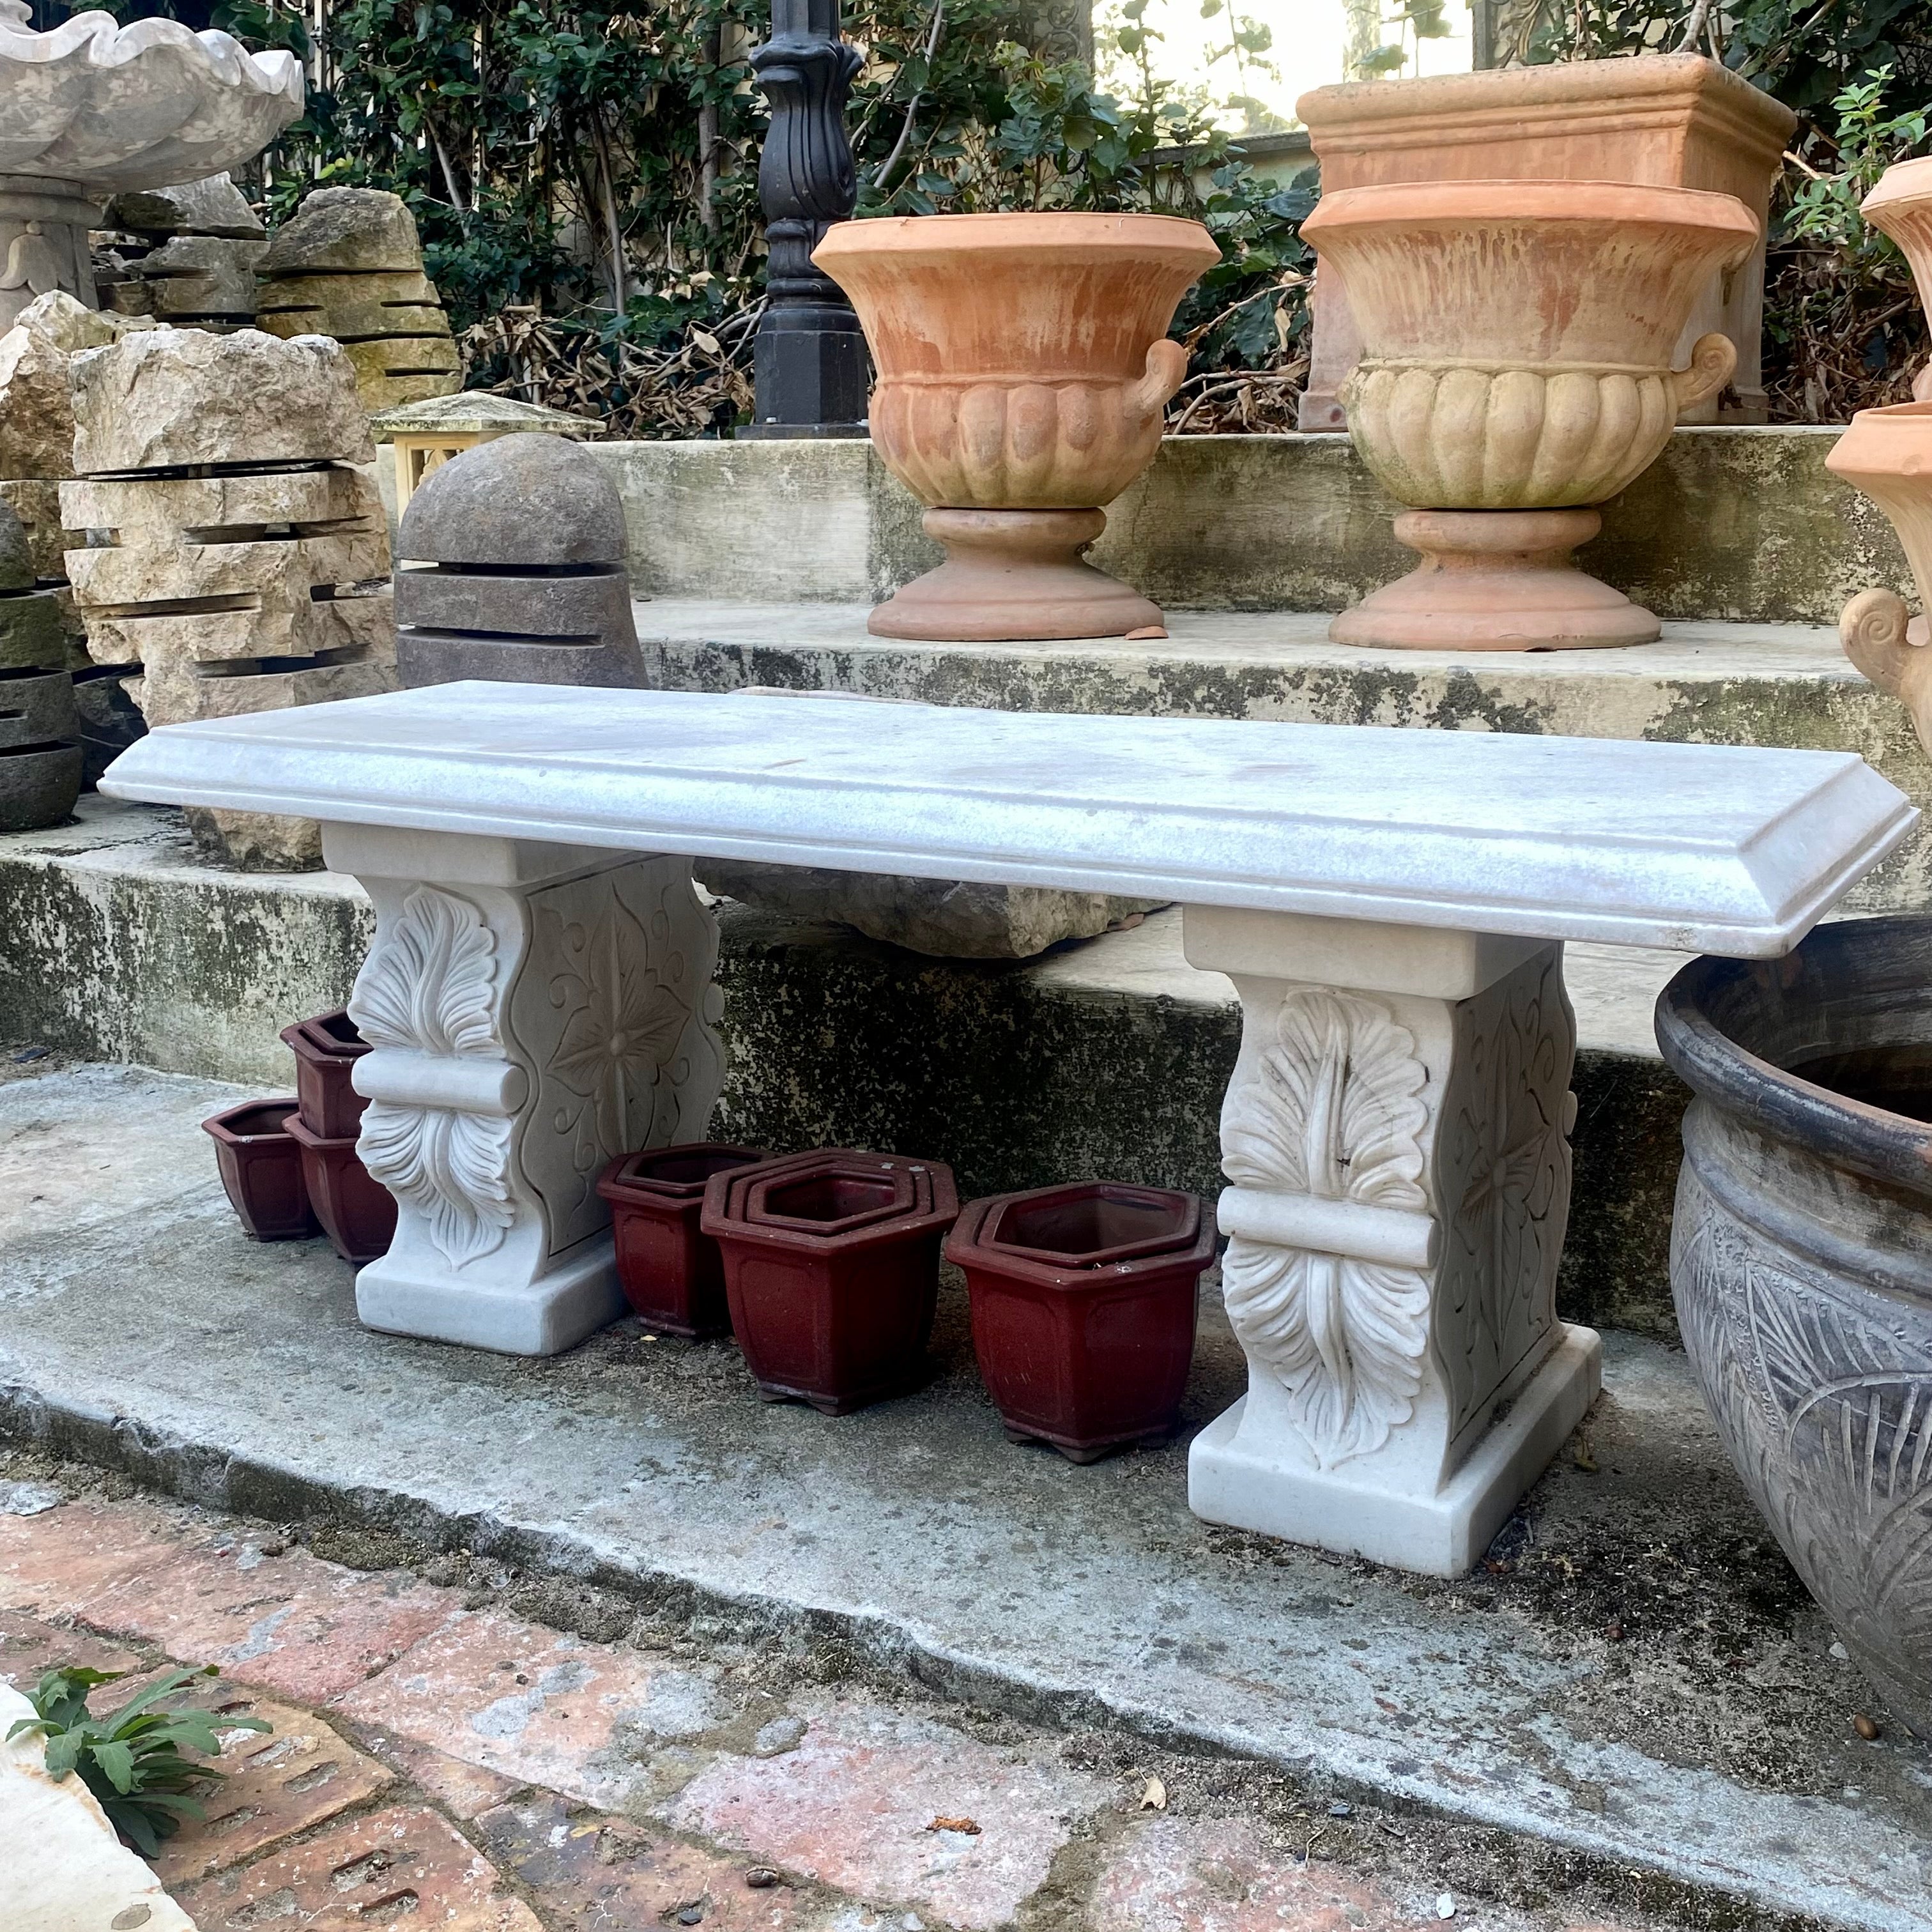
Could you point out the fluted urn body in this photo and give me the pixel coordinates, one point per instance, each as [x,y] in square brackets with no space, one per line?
[1023,368]
[1518,337]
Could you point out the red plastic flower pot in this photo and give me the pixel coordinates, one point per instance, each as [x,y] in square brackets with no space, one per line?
[357,1212]
[261,1167]
[1084,1302]
[326,1049]
[832,1270]
[669,1268]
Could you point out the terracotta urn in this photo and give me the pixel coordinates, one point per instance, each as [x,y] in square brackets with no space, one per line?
[1901,206]
[1023,370]
[1887,455]
[1518,337]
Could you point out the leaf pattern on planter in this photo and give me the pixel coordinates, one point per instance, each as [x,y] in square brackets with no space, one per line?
[453,1168]
[429,984]
[1334,1109]
[1825,1406]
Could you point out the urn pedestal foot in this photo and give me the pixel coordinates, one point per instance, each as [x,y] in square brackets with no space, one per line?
[1397,1133]
[532,1011]
[1013,575]
[1496,580]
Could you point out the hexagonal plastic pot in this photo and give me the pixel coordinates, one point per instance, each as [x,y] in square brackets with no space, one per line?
[357,1212]
[261,1168]
[1085,1300]
[670,1269]
[326,1049]
[832,1271]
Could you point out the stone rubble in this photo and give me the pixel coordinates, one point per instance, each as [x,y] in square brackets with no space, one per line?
[349,265]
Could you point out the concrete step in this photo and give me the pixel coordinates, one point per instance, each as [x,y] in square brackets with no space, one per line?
[1635,1685]
[1782,685]
[1733,524]
[1109,1057]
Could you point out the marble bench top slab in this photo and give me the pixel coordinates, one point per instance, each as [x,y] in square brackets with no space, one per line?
[1695,847]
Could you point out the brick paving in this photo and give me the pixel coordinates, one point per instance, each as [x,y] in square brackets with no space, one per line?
[437,1761]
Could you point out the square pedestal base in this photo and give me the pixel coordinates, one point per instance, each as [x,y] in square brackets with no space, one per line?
[543,1317]
[1443,1535]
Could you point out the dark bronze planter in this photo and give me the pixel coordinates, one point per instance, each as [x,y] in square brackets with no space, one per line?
[39,782]
[357,1212]
[261,1167]
[669,1268]
[1085,1300]
[831,1267]
[326,1049]
[37,707]
[1801,1263]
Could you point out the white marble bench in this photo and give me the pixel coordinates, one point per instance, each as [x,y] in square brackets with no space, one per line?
[1390,904]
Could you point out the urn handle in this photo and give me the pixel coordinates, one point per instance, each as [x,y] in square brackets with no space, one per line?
[1713,360]
[1166,370]
[1890,649]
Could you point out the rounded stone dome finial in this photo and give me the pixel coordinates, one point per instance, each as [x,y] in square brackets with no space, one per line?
[532,500]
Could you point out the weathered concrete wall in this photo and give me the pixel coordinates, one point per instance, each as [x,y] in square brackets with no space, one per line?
[1110,1059]
[1728,523]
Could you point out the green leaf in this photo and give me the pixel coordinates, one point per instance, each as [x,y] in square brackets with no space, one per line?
[117,1760]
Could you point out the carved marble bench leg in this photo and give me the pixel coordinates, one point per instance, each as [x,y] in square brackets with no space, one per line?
[535,1009]
[1397,1133]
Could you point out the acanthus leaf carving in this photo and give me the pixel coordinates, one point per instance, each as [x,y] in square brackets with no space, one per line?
[429,986]
[453,1168]
[1334,1109]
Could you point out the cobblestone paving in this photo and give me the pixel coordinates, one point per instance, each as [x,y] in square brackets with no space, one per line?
[438,1759]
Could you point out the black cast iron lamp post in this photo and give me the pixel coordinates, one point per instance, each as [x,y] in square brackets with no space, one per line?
[810,354]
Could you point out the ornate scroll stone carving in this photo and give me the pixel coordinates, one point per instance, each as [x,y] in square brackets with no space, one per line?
[1397,1143]
[429,987]
[1336,1112]
[534,1010]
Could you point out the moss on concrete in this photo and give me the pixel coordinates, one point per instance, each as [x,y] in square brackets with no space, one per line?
[1743,523]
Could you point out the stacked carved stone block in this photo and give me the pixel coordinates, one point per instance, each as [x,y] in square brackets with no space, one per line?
[349,265]
[525,539]
[185,255]
[36,456]
[233,552]
[40,749]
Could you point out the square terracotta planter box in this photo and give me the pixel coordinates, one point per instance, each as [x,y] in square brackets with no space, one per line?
[261,1165]
[831,1267]
[326,1049]
[669,1268]
[1085,1300]
[357,1212]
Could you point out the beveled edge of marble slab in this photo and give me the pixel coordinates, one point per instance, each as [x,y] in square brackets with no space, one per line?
[1626,841]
